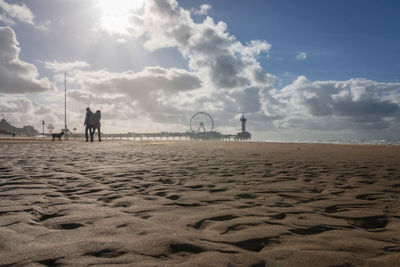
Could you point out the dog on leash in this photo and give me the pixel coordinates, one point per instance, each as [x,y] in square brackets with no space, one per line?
[57,135]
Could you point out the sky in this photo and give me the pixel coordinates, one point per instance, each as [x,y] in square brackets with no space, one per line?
[299,70]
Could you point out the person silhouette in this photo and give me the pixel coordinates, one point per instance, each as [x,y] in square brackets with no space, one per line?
[95,124]
[89,114]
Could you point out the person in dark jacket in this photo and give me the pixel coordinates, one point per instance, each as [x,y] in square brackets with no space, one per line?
[89,114]
[95,124]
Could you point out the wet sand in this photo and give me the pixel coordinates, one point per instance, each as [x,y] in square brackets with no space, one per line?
[198,204]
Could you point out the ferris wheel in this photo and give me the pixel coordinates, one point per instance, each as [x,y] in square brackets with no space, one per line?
[201,122]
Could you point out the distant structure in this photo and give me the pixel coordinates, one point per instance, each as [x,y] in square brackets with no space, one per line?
[50,127]
[202,125]
[201,122]
[201,128]
[7,128]
[243,135]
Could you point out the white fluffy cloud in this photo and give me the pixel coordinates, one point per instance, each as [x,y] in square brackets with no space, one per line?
[226,68]
[17,76]
[21,111]
[219,58]
[56,66]
[15,105]
[155,92]
[301,56]
[203,10]
[330,105]
[131,83]
[10,12]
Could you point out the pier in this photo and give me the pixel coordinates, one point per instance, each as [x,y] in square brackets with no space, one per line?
[201,126]
[161,136]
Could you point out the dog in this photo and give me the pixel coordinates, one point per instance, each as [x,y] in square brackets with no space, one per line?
[57,135]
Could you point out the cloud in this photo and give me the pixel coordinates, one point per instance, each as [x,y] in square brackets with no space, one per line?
[203,10]
[216,55]
[232,80]
[156,93]
[17,76]
[21,111]
[150,79]
[333,105]
[226,67]
[121,40]
[301,56]
[56,66]
[15,105]
[11,13]
[43,26]
[14,11]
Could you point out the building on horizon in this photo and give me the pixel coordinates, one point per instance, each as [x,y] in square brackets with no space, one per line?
[7,128]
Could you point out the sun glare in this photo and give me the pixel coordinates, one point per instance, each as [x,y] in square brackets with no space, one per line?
[115,14]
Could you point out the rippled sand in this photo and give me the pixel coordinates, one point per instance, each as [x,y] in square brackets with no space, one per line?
[199,203]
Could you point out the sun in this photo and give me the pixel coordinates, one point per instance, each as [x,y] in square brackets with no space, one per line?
[115,14]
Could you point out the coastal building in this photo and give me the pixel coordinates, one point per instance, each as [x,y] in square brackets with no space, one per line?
[7,128]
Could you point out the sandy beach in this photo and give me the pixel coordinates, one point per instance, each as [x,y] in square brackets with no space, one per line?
[198,204]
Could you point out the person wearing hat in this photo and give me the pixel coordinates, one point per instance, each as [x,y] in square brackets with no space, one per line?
[89,114]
